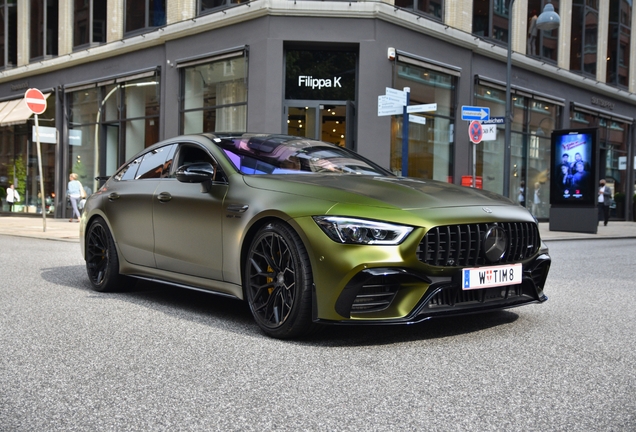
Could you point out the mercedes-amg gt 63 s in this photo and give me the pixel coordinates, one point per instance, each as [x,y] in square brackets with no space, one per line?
[308,233]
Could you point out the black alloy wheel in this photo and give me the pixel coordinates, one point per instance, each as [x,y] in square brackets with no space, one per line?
[102,263]
[277,281]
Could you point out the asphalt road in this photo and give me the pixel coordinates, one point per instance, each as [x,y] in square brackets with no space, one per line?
[161,359]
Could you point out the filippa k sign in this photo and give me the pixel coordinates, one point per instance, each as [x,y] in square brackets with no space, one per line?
[309,81]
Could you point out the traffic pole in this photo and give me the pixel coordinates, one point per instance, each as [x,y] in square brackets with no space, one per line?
[42,196]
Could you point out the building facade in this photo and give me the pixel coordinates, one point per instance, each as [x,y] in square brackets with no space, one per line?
[120,75]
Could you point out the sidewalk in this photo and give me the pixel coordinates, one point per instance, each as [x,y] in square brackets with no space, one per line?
[63,230]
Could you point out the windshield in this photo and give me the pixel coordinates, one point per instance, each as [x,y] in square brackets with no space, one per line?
[281,154]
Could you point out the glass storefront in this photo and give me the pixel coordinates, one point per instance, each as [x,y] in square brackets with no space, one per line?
[533,120]
[109,123]
[19,163]
[613,136]
[214,95]
[320,94]
[431,139]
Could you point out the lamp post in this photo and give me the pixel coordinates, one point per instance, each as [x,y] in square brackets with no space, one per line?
[548,20]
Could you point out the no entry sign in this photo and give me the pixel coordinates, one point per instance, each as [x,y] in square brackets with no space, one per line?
[35,101]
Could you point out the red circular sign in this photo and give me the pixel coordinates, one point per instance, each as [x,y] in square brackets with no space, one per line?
[475,132]
[35,101]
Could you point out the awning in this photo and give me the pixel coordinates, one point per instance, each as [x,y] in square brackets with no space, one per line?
[15,111]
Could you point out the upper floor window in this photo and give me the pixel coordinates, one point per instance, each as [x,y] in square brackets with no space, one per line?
[491,19]
[89,22]
[8,33]
[206,6]
[433,8]
[541,43]
[44,28]
[618,42]
[584,38]
[144,14]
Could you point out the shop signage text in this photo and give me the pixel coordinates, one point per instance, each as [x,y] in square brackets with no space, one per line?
[309,81]
[602,103]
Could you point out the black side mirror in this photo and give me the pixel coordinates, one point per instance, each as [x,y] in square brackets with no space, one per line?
[195,173]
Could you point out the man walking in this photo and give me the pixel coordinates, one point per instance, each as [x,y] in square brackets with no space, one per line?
[604,199]
[13,197]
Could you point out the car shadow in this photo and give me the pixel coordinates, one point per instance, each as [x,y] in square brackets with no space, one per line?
[234,315]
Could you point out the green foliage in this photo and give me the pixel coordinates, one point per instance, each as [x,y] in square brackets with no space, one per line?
[21,175]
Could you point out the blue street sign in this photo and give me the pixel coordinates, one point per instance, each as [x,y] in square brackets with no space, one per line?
[494,120]
[475,113]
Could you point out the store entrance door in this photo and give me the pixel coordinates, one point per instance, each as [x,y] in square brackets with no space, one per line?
[323,121]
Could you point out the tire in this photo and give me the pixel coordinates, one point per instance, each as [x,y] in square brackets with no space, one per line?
[277,282]
[102,262]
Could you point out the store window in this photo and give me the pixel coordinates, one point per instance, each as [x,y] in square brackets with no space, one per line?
[431,8]
[431,137]
[320,88]
[8,33]
[214,95]
[613,133]
[19,163]
[541,43]
[208,6]
[584,37]
[618,43]
[44,28]
[89,22]
[144,14]
[533,120]
[109,124]
[491,19]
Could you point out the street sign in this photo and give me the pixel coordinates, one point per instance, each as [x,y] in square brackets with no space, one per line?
[490,132]
[417,119]
[494,120]
[398,95]
[35,100]
[421,108]
[475,113]
[475,132]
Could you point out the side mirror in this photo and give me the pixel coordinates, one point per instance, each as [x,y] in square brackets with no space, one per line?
[195,173]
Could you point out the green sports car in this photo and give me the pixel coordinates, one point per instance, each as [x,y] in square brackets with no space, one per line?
[308,233]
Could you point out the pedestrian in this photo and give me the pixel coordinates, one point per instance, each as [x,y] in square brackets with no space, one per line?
[521,197]
[74,193]
[13,197]
[536,203]
[604,199]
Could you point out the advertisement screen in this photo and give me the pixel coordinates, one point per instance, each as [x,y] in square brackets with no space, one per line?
[574,167]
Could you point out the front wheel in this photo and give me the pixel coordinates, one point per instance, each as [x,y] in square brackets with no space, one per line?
[102,263]
[277,282]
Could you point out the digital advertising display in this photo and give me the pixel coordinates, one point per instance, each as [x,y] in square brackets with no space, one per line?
[573,174]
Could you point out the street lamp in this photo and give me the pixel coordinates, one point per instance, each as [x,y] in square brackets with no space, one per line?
[548,20]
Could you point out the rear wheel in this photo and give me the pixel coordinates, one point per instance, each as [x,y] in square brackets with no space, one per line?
[102,263]
[277,282]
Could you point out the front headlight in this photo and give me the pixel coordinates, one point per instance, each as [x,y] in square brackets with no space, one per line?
[361,231]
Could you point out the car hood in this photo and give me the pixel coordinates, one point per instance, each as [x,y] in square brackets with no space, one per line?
[387,192]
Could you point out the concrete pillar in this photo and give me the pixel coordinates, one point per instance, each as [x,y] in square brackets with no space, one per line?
[180,10]
[65,28]
[459,14]
[565,33]
[23,32]
[601,50]
[115,20]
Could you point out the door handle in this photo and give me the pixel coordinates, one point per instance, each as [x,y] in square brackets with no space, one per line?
[113,196]
[164,197]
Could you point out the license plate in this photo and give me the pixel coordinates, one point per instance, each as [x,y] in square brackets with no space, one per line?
[492,276]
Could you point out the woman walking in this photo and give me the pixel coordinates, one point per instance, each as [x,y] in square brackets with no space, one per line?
[74,192]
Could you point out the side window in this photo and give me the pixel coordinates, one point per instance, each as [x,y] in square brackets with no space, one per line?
[129,171]
[154,163]
[167,166]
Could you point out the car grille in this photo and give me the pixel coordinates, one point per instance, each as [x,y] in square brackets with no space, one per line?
[457,297]
[461,245]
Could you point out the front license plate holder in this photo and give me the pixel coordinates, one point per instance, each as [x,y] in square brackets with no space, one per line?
[491,276]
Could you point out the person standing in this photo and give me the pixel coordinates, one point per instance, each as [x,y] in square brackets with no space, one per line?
[74,193]
[604,199]
[521,197]
[13,197]
[536,202]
